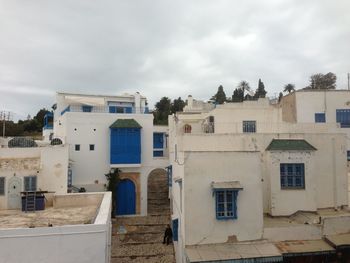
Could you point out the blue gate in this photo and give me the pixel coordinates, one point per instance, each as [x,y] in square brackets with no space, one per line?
[126,201]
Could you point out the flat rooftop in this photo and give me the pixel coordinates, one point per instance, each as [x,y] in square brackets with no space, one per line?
[303,218]
[51,215]
[67,209]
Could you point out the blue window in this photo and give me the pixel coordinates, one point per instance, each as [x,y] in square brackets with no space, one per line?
[226,203]
[169,172]
[158,140]
[176,229]
[343,117]
[30,183]
[119,109]
[128,109]
[125,146]
[48,120]
[86,108]
[292,175]
[249,126]
[348,155]
[320,117]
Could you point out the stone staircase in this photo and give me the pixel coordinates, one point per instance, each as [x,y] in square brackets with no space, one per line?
[139,238]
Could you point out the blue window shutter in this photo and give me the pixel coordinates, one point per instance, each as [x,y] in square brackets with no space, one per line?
[112,109]
[175,229]
[343,117]
[125,146]
[128,110]
[158,141]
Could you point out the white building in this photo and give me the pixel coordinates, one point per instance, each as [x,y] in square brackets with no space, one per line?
[26,165]
[108,132]
[236,164]
[318,106]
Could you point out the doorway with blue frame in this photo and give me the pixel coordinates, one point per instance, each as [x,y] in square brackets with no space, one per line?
[125,198]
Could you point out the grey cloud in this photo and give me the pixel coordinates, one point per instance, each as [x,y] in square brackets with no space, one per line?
[165,48]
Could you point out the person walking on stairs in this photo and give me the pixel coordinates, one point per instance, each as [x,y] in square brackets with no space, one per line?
[168,235]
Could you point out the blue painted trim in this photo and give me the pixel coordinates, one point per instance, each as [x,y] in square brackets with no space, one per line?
[175,223]
[65,110]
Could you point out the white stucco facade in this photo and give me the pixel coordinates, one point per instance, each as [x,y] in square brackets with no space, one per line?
[47,163]
[216,148]
[92,129]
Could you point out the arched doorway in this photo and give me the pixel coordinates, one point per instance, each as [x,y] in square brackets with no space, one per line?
[126,201]
[158,192]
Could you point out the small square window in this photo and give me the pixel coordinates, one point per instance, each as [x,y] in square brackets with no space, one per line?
[320,117]
[249,126]
[92,147]
[348,155]
[77,147]
[2,185]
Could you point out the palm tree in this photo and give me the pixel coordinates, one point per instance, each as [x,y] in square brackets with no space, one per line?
[289,87]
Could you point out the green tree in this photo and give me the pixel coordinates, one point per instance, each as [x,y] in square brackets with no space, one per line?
[280,96]
[321,81]
[289,87]
[162,111]
[260,91]
[113,180]
[177,105]
[238,95]
[40,116]
[220,96]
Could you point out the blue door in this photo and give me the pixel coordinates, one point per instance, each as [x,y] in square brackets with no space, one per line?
[125,202]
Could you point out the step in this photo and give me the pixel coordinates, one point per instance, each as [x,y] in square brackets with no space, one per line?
[148,259]
[143,250]
[141,220]
[152,229]
[137,238]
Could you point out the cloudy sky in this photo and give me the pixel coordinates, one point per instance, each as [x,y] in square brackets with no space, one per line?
[165,48]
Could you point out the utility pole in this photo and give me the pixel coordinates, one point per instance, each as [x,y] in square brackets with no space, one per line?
[4,116]
[348,81]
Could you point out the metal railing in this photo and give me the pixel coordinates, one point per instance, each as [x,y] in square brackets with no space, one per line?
[106,109]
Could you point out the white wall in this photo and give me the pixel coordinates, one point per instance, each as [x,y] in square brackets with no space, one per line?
[289,201]
[201,169]
[93,128]
[329,166]
[49,164]
[68,244]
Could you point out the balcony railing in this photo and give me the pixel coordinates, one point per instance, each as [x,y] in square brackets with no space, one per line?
[106,109]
